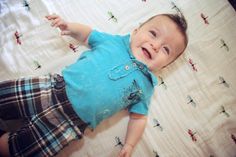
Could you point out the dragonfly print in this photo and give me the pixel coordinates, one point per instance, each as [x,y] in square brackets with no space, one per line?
[156,154]
[223,44]
[190,61]
[191,101]
[118,142]
[192,135]
[17,37]
[222,81]
[37,65]
[162,82]
[111,16]
[224,111]
[26,5]
[174,6]
[204,18]
[157,124]
[73,47]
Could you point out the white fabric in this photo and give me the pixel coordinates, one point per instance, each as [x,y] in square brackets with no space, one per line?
[169,106]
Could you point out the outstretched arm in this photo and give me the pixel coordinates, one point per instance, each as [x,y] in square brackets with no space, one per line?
[136,127]
[76,30]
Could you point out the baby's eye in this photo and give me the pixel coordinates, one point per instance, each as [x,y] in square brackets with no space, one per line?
[167,50]
[153,33]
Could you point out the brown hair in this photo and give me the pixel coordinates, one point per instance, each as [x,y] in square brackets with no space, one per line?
[181,24]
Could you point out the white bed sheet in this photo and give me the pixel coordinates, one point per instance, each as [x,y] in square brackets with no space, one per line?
[169,106]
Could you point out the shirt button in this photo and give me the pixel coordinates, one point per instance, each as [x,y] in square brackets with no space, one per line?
[134,64]
[126,67]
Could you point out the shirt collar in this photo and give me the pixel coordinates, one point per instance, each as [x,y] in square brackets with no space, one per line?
[142,67]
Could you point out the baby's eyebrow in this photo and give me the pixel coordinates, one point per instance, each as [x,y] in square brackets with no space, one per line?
[156,28]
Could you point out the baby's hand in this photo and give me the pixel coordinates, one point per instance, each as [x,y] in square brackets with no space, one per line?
[57,21]
[126,151]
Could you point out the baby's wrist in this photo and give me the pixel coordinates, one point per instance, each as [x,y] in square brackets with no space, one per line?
[129,145]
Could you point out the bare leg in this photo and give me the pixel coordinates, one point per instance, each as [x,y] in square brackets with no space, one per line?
[4,147]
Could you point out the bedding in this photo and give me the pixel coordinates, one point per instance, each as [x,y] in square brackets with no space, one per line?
[193,109]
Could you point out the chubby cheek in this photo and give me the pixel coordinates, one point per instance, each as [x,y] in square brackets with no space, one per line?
[140,39]
[136,46]
[134,43]
[154,66]
[159,63]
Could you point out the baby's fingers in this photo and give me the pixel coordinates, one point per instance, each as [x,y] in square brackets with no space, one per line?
[65,33]
[52,17]
[56,23]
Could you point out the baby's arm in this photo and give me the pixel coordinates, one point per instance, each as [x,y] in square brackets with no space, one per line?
[76,30]
[79,32]
[134,132]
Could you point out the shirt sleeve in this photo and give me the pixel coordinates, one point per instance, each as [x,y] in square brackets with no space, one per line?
[140,108]
[95,38]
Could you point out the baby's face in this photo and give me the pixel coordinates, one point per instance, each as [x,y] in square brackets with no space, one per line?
[157,43]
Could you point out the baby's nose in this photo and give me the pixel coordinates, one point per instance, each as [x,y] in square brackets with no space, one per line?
[155,47]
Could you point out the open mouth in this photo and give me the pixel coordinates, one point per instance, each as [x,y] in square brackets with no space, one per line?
[146,53]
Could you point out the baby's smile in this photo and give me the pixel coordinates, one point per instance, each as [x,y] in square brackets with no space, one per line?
[146,53]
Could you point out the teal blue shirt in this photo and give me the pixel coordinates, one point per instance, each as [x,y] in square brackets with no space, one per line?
[107,78]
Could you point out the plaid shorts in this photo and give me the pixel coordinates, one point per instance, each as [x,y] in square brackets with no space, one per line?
[51,123]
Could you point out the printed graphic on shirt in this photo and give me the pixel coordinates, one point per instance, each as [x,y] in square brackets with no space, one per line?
[133,94]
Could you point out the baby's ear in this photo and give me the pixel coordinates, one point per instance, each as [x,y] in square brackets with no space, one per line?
[135,30]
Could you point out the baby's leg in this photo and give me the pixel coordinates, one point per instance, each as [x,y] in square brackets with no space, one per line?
[49,131]
[45,135]
[4,151]
[23,98]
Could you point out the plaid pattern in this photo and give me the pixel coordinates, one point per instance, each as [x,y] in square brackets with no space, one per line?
[51,121]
